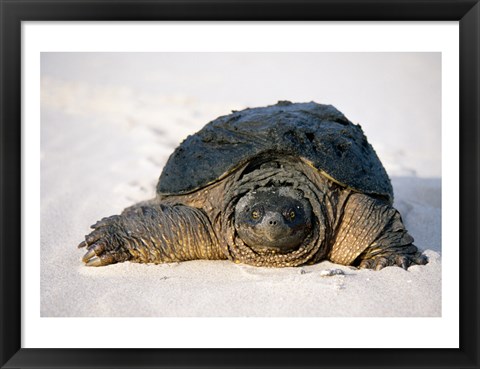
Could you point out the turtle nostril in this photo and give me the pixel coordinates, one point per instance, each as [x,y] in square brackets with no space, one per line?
[273,222]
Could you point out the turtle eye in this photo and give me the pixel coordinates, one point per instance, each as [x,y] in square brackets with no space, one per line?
[290,214]
[255,214]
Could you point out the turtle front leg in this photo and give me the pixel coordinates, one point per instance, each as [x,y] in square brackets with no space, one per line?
[393,247]
[371,235]
[151,233]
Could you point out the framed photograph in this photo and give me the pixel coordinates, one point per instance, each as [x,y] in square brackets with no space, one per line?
[101,99]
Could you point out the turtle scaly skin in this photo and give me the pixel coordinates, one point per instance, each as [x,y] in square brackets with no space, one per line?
[280,186]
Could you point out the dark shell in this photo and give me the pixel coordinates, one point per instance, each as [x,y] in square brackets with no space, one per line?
[319,133]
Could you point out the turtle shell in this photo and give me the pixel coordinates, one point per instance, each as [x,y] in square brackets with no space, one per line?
[318,133]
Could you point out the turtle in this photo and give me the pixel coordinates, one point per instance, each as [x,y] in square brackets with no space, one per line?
[284,185]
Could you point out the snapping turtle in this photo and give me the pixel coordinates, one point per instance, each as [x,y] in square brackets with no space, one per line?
[276,186]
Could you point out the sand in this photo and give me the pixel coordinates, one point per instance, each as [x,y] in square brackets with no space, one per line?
[107,130]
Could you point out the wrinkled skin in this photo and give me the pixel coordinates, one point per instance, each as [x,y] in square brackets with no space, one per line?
[277,213]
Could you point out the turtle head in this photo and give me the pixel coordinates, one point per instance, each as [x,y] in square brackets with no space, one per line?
[274,219]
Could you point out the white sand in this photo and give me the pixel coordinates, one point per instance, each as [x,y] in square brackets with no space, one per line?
[110,123]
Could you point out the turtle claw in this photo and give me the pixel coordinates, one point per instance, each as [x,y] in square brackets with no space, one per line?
[380,263]
[95,261]
[90,254]
[374,264]
[82,244]
[102,260]
[403,261]
[96,249]
[420,259]
[95,257]
[366,264]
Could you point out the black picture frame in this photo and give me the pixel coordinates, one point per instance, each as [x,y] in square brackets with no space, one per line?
[13,12]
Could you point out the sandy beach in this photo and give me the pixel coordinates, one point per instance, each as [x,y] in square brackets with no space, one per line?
[109,123]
